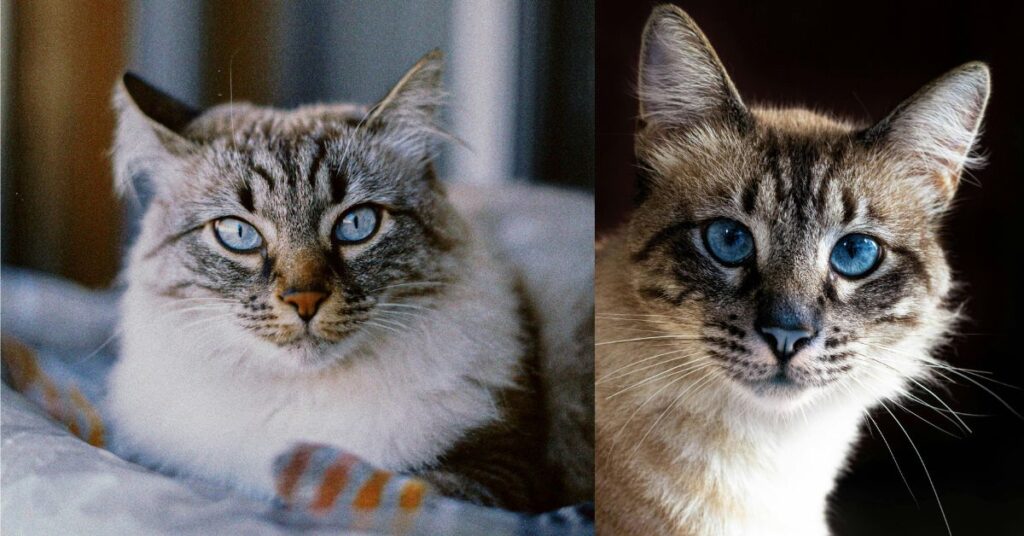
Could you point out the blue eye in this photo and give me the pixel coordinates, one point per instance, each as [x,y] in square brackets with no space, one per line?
[357,224]
[729,241]
[237,235]
[855,255]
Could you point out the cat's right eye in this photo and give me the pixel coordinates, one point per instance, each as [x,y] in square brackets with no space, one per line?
[237,235]
[729,241]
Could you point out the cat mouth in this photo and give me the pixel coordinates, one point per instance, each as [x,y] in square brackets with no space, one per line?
[780,383]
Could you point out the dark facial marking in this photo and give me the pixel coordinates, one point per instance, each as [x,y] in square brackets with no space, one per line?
[245,197]
[339,185]
[264,174]
[772,154]
[314,167]
[267,265]
[834,161]
[750,195]
[914,264]
[849,206]
[668,233]
[802,158]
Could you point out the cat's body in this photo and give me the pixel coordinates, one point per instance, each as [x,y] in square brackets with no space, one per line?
[780,276]
[301,276]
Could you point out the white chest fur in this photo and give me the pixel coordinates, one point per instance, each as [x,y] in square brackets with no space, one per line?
[189,403]
[769,477]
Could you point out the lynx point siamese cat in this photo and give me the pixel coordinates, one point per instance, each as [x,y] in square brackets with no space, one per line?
[780,275]
[301,276]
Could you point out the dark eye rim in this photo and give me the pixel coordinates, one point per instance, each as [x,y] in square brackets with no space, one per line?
[233,249]
[707,246]
[878,260]
[377,212]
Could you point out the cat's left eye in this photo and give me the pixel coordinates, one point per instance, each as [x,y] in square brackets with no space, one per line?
[357,224]
[729,241]
[855,255]
[237,235]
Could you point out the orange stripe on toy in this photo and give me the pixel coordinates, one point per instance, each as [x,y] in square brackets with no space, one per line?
[21,360]
[369,495]
[289,477]
[411,495]
[96,428]
[335,478]
[52,401]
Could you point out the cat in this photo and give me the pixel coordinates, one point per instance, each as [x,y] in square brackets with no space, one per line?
[301,275]
[780,275]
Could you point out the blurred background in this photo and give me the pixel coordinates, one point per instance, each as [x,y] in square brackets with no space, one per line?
[860,59]
[520,75]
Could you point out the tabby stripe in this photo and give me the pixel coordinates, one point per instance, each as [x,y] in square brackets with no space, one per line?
[436,239]
[662,236]
[287,159]
[749,196]
[660,294]
[915,263]
[339,185]
[802,158]
[772,154]
[906,320]
[264,174]
[314,167]
[836,157]
[245,197]
[849,206]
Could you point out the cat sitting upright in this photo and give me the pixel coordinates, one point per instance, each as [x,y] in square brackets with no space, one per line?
[780,275]
[300,276]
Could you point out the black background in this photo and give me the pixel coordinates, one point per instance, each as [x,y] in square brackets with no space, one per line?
[859,60]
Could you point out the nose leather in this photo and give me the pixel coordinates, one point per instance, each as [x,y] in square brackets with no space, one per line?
[787,341]
[305,302]
[786,323]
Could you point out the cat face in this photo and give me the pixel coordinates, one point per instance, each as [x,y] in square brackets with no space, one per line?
[800,254]
[308,230]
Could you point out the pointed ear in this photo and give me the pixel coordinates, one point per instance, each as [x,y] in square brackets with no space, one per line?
[149,126]
[412,106]
[682,81]
[935,129]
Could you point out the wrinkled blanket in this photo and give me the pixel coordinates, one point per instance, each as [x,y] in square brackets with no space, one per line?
[61,475]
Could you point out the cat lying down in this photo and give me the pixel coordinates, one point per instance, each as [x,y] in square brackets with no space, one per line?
[302,276]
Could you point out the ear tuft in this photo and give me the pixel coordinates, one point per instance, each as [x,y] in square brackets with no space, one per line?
[149,126]
[937,127]
[417,96]
[409,110]
[682,81]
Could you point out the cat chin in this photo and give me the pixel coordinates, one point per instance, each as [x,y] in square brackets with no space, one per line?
[307,356]
[775,397]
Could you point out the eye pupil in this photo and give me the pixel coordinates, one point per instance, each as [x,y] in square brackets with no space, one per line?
[237,235]
[357,225]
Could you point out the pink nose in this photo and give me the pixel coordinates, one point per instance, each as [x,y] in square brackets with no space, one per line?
[305,302]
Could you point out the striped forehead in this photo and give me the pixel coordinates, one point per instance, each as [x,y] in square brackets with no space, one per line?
[294,182]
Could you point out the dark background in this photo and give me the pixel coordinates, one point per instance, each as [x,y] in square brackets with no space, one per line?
[860,59]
